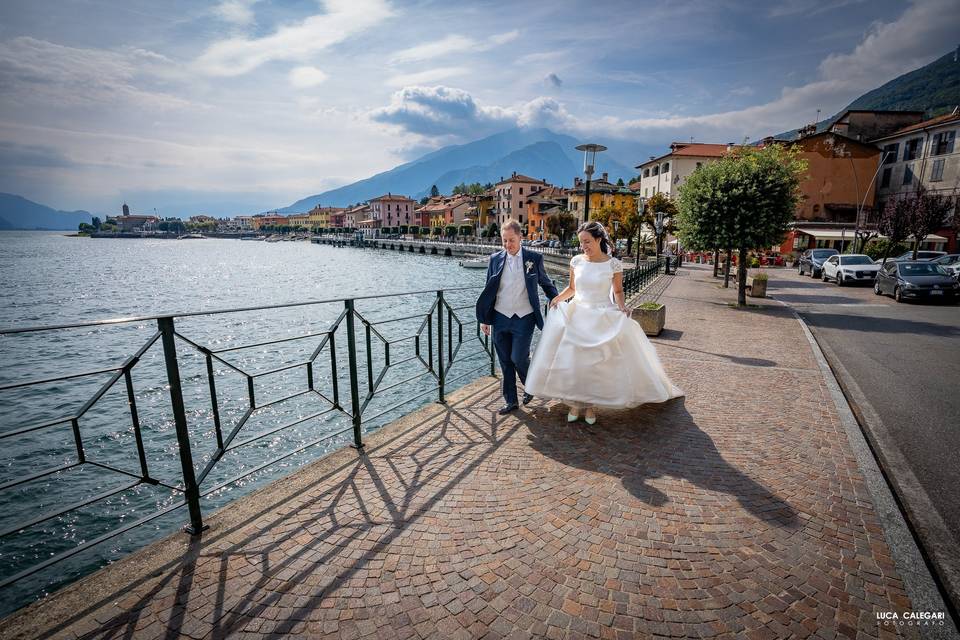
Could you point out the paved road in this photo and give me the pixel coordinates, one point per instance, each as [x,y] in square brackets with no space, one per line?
[905,360]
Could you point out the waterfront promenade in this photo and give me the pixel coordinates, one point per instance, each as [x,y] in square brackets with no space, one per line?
[738,511]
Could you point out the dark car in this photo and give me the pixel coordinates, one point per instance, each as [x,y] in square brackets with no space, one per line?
[921,255]
[916,280]
[811,261]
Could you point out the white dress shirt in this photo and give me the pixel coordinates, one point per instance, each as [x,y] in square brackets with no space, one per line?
[512,294]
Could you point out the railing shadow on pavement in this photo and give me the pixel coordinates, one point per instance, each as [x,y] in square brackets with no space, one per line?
[432,454]
[652,441]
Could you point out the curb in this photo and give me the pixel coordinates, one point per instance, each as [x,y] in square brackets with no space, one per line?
[919,572]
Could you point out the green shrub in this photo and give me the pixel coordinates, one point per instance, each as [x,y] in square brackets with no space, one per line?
[876,248]
[650,306]
[760,277]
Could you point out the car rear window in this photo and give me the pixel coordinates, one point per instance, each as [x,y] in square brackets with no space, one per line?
[920,269]
[824,252]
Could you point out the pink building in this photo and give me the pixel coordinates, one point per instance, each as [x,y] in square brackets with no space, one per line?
[392,210]
[512,195]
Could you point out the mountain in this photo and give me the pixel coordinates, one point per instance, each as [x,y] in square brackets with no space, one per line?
[934,88]
[19,213]
[536,152]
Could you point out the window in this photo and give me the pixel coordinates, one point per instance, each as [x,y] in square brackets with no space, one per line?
[942,143]
[646,173]
[890,153]
[936,171]
[885,180]
[521,190]
[656,170]
[666,167]
[908,174]
[911,150]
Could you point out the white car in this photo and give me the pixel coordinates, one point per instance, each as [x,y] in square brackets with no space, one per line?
[849,269]
[950,263]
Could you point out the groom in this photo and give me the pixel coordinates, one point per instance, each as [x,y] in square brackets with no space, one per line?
[510,304]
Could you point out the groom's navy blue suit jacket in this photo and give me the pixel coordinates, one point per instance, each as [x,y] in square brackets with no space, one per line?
[534,275]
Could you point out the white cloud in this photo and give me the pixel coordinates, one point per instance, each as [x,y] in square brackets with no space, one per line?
[343,20]
[239,12]
[451,44]
[426,77]
[306,77]
[446,111]
[36,71]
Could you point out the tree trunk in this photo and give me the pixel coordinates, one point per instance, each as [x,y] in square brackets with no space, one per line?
[726,269]
[630,246]
[742,278]
[716,262]
[916,246]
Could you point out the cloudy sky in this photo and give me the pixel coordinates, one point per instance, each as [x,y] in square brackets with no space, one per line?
[241,105]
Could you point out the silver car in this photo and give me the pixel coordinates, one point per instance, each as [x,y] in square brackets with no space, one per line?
[950,263]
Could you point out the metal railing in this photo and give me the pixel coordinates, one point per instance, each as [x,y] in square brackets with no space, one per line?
[434,346]
[636,279]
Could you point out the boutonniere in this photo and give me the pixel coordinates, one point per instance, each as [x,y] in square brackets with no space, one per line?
[529,264]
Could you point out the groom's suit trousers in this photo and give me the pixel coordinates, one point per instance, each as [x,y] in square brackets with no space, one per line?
[511,339]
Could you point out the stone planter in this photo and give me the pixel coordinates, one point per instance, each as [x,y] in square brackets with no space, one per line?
[758,288]
[651,320]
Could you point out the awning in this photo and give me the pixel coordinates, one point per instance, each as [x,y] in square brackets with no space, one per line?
[847,234]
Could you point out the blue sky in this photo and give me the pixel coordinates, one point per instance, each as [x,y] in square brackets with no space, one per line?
[241,105]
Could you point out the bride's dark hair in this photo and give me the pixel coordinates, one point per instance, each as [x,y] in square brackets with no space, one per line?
[596,230]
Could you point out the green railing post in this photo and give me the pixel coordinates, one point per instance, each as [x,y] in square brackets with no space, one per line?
[354,384]
[441,373]
[190,489]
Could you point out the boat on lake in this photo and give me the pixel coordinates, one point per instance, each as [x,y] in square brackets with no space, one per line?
[192,236]
[475,262]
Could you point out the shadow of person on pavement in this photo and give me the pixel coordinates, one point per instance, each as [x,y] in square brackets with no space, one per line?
[649,442]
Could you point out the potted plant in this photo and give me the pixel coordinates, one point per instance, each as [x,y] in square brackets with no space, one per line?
[757,284]
[651,316]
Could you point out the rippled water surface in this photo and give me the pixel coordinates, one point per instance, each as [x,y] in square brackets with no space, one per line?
[51,279]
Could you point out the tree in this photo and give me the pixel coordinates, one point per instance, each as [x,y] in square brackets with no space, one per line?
[434,192]
[488,186]
[894,222]
[450,231]
[620,182]
[95,223]
[743,201]
[928,214]
[562,225]
[660,202]
[466,230]
[86,227]
[437,231]
[424,200]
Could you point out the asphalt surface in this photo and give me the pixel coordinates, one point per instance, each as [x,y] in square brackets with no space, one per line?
[903,361]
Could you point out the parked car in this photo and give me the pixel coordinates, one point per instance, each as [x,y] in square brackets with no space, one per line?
[554,244]
[811,261]
[921,255]
[950,263]
[916,280]
[849,269]
[538,243]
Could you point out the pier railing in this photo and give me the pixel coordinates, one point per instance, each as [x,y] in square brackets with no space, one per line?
[347,367]
[353,354]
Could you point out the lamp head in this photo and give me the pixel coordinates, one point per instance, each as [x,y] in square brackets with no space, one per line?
[590,152]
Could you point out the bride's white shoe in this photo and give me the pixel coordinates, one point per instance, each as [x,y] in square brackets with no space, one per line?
[590,419]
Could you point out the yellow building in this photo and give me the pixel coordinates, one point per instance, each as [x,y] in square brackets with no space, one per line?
[321,216]
[299,220]
[602,194]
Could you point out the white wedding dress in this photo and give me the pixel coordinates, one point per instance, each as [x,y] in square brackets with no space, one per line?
[592,354]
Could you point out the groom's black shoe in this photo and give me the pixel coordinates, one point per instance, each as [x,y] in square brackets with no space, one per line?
[527,398]
[507,409]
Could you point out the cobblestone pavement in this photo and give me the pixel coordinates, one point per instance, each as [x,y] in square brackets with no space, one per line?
[738,511]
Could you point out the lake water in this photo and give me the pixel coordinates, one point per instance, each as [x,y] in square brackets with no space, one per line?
[51,279]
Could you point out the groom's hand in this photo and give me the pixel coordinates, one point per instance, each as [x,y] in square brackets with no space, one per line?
[485,328]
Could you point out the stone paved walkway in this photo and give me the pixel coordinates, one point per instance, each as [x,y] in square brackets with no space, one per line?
[738,511]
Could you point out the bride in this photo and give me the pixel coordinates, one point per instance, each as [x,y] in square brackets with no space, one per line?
[591,354]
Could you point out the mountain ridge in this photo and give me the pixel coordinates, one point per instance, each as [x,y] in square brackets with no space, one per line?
[16,212]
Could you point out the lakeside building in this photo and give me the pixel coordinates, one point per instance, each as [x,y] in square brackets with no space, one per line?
[243,223]
[323,216]
[865,125]
[666,173]
[298,220]
[603,193]
[133,222]
[268,220]
[393,210]
[545,202]
[353,216]
[511,195]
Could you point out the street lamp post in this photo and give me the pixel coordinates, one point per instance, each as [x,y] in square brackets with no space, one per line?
[590,152]
[856,229]
[641,208]
[660,227]
[616,232]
